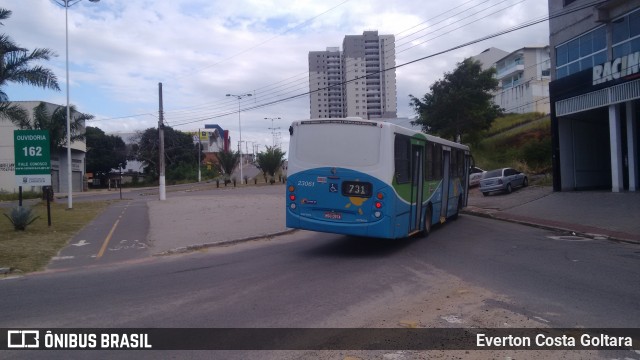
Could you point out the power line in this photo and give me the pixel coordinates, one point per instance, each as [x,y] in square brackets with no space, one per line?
[500,33]
[225,112]
[268,40]
[227,105]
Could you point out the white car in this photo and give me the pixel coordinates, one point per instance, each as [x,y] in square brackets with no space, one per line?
[475,174]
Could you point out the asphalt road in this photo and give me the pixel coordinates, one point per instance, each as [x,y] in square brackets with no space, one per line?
[473,272]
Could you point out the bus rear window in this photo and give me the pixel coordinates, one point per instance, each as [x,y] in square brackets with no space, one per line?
[338,144]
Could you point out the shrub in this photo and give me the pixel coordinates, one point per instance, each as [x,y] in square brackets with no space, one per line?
[21,217]
[537,155]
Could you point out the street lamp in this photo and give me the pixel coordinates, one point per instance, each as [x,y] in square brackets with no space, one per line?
[273,129]
[66,4]
[239,97]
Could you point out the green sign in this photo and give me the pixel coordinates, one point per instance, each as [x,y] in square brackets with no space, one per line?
[32,158]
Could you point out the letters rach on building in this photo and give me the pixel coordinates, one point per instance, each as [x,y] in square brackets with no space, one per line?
[319,339]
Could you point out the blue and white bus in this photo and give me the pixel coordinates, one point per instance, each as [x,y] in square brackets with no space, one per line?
[372,178]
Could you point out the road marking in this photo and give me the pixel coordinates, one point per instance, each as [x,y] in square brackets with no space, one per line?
[569,238]
[113,229]
[81,243]
[62,257]
[451,319]
[106,241]
[541,319]
[409,324]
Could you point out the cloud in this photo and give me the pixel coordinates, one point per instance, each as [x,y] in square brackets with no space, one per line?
[201,50]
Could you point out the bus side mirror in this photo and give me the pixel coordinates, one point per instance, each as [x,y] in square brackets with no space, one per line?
[290,130]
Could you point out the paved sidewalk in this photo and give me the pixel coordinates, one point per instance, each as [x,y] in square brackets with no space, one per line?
[591,213]
[187,223]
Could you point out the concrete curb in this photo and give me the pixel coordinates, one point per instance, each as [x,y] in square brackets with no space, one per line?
[605,235]
[192,248]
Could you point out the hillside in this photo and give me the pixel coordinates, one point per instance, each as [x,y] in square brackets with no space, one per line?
[521,141]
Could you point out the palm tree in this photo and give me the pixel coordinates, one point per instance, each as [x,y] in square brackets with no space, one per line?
[15,68]
[270,161]
[228,161]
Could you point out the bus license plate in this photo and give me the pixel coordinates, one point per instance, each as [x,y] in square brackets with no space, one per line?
[333,215]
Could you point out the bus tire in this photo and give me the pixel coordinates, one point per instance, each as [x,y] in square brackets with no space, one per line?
[427,221]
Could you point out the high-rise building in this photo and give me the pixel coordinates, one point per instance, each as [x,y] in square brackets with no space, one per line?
[355,82]
[325,83]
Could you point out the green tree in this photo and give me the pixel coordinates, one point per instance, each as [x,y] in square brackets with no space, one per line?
[459,104]
[270,161]
[15,67]
[180,153]
[228,160]
[104,152]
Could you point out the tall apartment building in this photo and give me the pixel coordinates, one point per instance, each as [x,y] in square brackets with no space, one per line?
[353,82]
[325,83]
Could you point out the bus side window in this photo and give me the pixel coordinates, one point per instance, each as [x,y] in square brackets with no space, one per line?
[457,163]
[453,166]
[437,162]
[402,146]
[428,161]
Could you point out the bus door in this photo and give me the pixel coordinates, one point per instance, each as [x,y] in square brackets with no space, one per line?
[446,179]
[417,186]
[468,163]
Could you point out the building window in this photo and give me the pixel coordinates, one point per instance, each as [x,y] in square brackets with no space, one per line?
[625,34]
[581,53]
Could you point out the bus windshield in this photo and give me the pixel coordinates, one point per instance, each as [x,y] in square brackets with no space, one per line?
[341,144]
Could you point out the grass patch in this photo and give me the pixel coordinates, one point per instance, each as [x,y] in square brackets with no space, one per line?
[526,147]
[32,249]
[511,121]
[7,196]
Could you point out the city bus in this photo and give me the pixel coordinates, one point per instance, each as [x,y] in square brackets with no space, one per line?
[372,178]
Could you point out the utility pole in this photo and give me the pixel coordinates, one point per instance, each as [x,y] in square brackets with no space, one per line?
[199,151]
[162,191]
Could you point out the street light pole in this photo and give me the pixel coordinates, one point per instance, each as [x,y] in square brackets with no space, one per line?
[273,130]
[67,4]
[239,97]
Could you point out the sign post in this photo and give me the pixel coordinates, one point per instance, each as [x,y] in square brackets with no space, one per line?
[32,159]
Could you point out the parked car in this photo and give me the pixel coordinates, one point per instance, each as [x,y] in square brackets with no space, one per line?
[505,179]
[475,174]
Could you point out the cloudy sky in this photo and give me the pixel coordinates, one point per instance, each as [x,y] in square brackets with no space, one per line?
[201,50]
